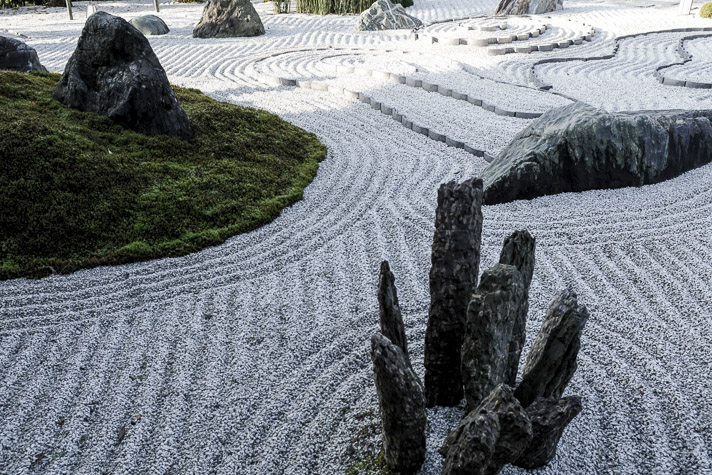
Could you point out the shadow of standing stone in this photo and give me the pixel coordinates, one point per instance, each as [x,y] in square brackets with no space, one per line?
[401,404]
[552,361]
[518,251]
[391,319]
[453,277]
[493,310]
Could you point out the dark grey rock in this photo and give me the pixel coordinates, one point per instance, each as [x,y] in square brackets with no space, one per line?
[402,406]
[493,309]
[114,72]
[150,25]
[527,7]
[453,277]
[494,434]
[17,56]
[385,15]
[552,360]
[578,147]
[228,19]
[549,418]
[390,315]
[518,251]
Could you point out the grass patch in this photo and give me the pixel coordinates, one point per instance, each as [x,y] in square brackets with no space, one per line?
[78,190]
[706,10]
[369,466]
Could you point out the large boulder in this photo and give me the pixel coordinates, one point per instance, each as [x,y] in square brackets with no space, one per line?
[578,147]
[391,319]
[518,251]
[401,404]
[228,19]
[150,25]
[493,310]
[453,277]
[552,360]
[114,72]
[527,7]
[17,56]
[384,15]
[494,434]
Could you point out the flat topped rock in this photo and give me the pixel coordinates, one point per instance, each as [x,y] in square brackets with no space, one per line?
[384,15]
[228,19]
[150,25]
[114,72]
[17,56]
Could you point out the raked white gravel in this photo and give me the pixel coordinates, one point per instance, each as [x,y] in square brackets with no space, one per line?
[252,357]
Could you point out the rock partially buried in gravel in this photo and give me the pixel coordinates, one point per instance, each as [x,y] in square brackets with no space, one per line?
[494,308]
[578,147]
[150,25]
[453,277]
[518,251]
[17,56]
[228,19]
[552,360]
[549,418]
[384,15]
[114,72]
[391,319]
[401,404]
[527,7]
[494,434]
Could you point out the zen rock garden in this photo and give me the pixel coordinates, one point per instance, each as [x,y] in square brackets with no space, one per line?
[474,340]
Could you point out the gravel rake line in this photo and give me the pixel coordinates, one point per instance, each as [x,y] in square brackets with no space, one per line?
[686,59]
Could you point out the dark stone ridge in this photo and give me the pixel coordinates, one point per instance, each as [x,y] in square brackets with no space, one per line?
[578,147]
[150,25]
[527,7]
[552,360]
[494,434]
[17,56]
[390,315]
[228,19]
[549,418]
[494,308]
[402,406]
[518,251]
[114,72]
[453,277]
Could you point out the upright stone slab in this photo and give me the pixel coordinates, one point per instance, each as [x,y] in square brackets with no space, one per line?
[114,72]
[518,251]
[402,406]
[453,277]
[549,418]
[390,315]
[552,360]
[228,19]
[493,310]
[494,434]
[17,56]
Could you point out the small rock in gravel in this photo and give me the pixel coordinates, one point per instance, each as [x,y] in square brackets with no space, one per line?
[150,25]
[228,19]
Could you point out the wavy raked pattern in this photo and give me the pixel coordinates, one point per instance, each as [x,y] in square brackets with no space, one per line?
[252,357]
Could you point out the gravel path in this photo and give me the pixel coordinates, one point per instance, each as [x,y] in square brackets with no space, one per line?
[252,357]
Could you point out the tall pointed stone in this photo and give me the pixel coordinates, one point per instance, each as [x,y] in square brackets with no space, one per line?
[453,277]
[390,315]
[401,404]
[552,360]
[493,310]
[518,251]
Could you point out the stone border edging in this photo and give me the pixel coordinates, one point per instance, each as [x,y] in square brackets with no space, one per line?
[686,58]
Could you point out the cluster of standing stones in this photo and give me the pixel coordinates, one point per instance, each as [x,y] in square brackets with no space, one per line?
[473,344]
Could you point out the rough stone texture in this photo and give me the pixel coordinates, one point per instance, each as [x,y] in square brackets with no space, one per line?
[114,72]
[228,19]
[384,15]
[549,418]
[518,251]
[17,56]
[552,360]
[390,315]
[150,25]
[578,147]
[453,277]
[494,434]
[528,7]
[402,406]
[494,308]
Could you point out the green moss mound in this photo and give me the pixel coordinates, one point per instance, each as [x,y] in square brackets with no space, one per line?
[706,10]
[77,190]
